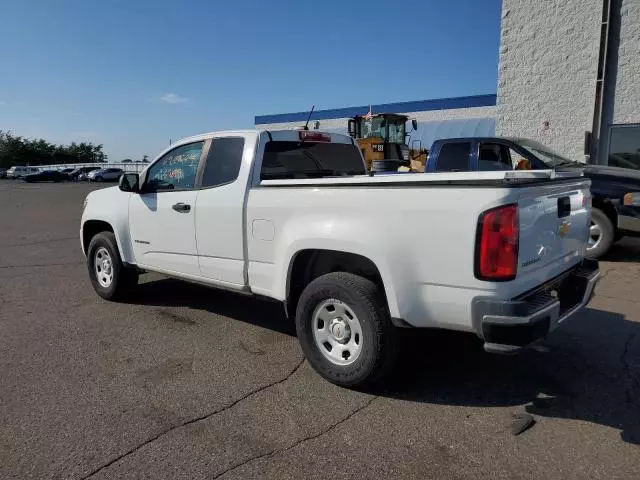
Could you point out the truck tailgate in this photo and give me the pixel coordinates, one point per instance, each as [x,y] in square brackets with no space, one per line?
[554,227]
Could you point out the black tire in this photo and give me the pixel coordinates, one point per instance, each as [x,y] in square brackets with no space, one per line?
[379,336]
[608,234]
[99,179]
[124,279]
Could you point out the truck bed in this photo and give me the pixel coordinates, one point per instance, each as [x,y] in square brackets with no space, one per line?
[421,236]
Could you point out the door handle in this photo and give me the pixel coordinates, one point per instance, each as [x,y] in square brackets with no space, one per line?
[182,207]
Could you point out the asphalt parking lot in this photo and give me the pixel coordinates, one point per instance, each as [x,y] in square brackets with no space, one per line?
[188,382]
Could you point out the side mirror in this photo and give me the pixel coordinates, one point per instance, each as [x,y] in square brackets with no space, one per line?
[156,185]
[129,182]
[414,123]
[352,128]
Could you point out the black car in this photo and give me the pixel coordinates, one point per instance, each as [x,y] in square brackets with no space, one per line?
[46,176]
[615,191]
[616,205]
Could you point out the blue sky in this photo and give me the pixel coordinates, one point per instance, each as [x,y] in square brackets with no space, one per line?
[132,74]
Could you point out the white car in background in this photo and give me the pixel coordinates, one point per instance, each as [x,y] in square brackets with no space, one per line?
[105,175]
[20,172]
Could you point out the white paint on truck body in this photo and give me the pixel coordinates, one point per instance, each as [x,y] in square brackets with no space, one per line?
[418,229]
[421,239]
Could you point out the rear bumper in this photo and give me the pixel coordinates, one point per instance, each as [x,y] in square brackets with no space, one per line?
[509,326]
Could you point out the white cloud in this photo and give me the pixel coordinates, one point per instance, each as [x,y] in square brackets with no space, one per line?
[173,98]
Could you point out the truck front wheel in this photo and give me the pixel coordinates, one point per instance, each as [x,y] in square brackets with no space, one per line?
[109,277]
[345,330]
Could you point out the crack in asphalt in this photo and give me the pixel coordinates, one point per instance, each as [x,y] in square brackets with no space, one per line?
[193,420]
[42,265]
[277,451]
[626,368]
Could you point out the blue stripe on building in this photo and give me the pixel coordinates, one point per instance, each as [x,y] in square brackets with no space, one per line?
[399,107]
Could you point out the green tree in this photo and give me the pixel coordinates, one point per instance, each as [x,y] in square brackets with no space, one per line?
[17,150]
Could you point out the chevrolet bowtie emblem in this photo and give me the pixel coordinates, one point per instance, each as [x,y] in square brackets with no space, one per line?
[563,229]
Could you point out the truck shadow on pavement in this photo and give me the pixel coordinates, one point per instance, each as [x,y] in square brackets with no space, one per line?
[626,250]
[590,373]
[168,292]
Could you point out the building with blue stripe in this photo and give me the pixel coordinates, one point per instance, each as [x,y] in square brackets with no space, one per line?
[437,118]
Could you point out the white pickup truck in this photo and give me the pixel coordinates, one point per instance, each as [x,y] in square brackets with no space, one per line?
[293,216]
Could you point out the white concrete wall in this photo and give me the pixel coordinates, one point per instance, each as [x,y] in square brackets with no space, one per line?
[422,117]
[547,71]
[626,107]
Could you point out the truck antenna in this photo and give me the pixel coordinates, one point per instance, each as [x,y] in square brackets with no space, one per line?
[306,125]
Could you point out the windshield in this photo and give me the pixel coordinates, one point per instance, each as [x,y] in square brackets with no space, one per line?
[545,154]
[372,128]
[387,129]
[397,131]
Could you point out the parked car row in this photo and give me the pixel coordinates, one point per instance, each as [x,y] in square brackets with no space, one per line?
[91,174]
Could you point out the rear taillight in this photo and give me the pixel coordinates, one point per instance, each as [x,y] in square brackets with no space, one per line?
[312,136]
[497,244]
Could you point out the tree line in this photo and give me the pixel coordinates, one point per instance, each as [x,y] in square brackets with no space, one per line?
[17,150]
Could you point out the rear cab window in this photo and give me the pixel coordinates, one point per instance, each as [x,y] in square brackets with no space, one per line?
[310,159]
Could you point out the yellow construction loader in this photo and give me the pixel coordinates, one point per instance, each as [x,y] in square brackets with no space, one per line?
[382,139]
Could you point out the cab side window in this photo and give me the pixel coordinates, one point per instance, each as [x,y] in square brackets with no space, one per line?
[223,161]
[176,170]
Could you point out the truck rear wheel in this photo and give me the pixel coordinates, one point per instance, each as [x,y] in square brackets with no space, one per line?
[109,277]
[345,330]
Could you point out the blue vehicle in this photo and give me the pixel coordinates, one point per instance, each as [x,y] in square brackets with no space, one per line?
[615,191]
